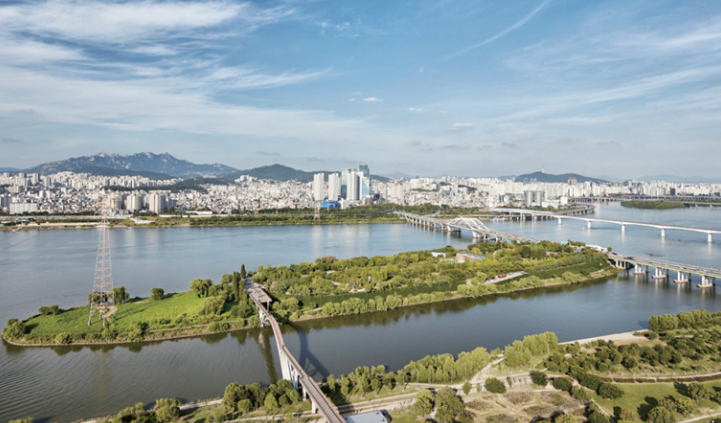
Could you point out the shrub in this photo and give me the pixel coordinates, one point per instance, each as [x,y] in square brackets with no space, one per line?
[579,393]
[217,327]
[539,378]
[495,386]
[157,293]
[15,329]
[562,384]
[63,338]
[610,391]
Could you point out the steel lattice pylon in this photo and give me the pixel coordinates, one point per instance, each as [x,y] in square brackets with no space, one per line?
[101,299]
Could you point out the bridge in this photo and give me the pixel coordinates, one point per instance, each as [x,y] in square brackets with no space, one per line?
[290,368]
[662,268]
[663,227]
[686,200]
[479,229]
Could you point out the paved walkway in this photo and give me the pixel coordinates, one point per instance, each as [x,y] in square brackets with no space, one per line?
[624,336]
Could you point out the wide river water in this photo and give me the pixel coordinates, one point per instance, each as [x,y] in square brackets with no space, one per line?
[69,383]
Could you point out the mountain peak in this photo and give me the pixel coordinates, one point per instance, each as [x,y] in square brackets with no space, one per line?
[147,161]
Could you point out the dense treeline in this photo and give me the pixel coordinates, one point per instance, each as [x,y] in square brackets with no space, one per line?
[654,205]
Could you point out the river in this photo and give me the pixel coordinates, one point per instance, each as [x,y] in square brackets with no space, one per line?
[69,383]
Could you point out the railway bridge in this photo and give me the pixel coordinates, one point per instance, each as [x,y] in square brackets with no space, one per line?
[290,368]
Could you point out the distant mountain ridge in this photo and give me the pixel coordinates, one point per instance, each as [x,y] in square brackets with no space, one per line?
[278,172]
[550,178]
[159,163]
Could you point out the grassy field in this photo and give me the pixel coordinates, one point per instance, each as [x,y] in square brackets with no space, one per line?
[175,310]
[640,398]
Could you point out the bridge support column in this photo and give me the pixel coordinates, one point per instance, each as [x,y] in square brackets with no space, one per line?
[707,282]
[640,269]
[709,239]
[623,227]
[661,273]
[477,235]
[682,277]
[560,221]
[589,224]
[663,232]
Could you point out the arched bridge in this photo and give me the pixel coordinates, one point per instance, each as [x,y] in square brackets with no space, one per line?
[479,229]
[290,368]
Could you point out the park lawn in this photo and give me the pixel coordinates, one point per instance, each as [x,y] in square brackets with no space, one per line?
[152,312]
[640,398]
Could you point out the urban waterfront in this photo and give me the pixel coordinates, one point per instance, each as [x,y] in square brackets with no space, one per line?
[106,379]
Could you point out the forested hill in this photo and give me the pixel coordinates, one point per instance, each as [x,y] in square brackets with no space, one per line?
[549,178]
[159,163]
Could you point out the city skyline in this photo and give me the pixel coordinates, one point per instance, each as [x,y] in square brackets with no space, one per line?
[603,89]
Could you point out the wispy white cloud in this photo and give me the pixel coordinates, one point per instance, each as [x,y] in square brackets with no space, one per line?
[128,21]
[416,109]
[460,126]
[500,34]
[373,100]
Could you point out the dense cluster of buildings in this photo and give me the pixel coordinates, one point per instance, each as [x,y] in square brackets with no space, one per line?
[72,193]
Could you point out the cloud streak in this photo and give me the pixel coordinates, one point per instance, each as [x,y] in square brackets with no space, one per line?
[500,34]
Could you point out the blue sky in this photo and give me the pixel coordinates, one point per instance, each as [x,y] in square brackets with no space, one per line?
[470,88]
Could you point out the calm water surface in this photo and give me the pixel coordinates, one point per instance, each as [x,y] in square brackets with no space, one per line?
[56,267]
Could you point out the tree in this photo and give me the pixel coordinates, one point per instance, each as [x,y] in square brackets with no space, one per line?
[579,393]
[376,385]
[157,294]
[331,382]
[213,305]
[539,378]
[698,391]
[564,418]
[14,329]
[448,405]
[120,295]
[466,388]
[660,415]
[168,413]
[270,403]
[562,384]
[495,386]
[610,391]
[685,406]
[424,402]
[597,417]
[242,271]
[201,287]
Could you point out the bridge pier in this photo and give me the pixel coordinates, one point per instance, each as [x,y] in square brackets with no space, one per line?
[560,221]
[682,277]
[709,239]
[707,282]
[663,232]
[589,224]
[661,273]
[640,269]
[623,227]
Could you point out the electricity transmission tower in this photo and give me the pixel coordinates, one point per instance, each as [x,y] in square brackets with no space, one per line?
[101,300]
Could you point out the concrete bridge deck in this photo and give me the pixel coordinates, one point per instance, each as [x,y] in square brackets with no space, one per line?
[663,227]
[291,369]
[474,225]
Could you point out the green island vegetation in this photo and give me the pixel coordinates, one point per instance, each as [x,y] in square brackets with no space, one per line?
[327,287]
[654,205]
[666,375]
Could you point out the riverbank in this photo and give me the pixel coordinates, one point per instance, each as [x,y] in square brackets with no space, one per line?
[128,224]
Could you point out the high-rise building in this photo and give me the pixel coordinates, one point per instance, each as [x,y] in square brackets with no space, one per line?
[365,184]
[134,203]
[353,187]
[364,170]
[318,186]
[333,186]
[344,175]
[156,202]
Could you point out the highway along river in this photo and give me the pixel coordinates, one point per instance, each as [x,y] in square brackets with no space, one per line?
[69,383]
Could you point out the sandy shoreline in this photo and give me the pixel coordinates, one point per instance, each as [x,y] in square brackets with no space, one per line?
[623,336]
